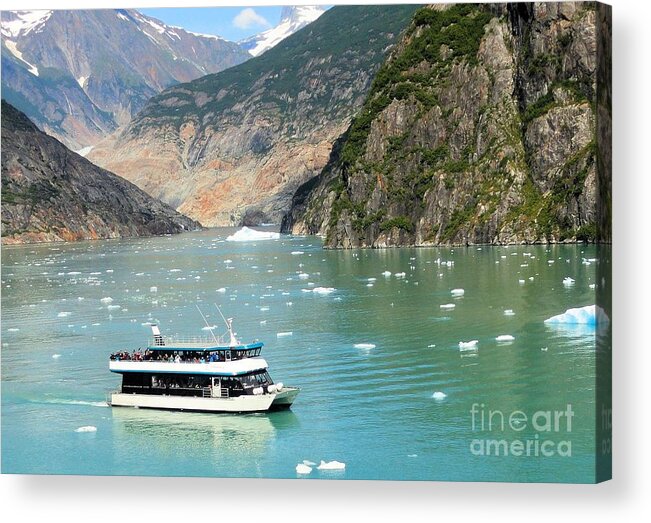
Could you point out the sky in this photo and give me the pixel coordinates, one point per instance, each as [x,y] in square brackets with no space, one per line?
[232,23]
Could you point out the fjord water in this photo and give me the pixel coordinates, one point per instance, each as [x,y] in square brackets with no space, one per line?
[385,386]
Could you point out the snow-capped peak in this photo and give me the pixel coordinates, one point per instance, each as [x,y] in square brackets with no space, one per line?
[19,23]
[292,18]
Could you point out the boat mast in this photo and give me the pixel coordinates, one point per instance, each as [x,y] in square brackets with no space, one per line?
[210,328]
[229,325]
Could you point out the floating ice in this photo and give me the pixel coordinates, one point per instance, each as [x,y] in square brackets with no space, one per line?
[303,276]
[438,395]
[592,285]
[175,270]
[249,235]
[221,290]
[521,282]
[302,468]
[56,356]
[113,307]
[400,274]
[297,253]
[284,334]
[264,309]
[13,329]
[209,327]
[509,312]
[457,292]
[386,274]
[107,300]
[371,279]
[568,282]
[309,463]
[88,428]
[153,289]
[331,465]
[323,290]
[431,346]
[588,315]
[364,345]
[464,345]
[505,337]
[64,314]
[448,306]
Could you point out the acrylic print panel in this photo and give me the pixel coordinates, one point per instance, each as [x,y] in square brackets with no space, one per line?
[343,242]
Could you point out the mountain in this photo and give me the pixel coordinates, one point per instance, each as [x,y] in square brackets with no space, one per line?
[79,74]
[232,147]
[50,193]
[488,123]
[292,18]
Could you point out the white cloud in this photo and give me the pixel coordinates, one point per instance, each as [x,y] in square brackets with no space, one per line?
[247,18]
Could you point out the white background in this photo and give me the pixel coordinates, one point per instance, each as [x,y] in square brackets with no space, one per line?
[183,500]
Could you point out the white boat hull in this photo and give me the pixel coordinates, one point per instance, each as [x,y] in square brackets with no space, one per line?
[244,403]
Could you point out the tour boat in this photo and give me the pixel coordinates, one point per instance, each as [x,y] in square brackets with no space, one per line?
[214,374]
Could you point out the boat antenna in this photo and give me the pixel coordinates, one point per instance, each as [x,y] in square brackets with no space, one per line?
[229,325]
[207,324]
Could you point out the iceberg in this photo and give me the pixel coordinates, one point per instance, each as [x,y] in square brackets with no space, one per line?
[323,290]
[331,465]
[438,395]
[250,235]
[468,345]
[302,468]
[568,282]
[457,292]
[589,315]
[88,428]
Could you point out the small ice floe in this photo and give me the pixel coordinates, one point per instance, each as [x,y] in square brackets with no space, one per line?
[371,280]
[431,346]
[87,428]
[56,356]
[209,328]
[74,273]
[303,276]
[284,334]
[323,290]
[438,395]
[448,306]
[245,234]
[264,309]
[366,346]
[592,286]
[589,315]
[114,307]
[509,312]
[153,288]
[175,270]
[568,282]
[297,253]
[13,329]
[369,285]
[457,292]
[309,463]
[302,468]
[64,314]
[468,345]
[521,282]
[221,290]
[108,299]
[412,455]
[400,274]
[504,338]
[386,274]
[331,465]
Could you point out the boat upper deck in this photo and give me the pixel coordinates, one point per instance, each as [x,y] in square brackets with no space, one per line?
[202,344]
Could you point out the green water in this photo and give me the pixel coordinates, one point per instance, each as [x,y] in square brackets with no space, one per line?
[372,406]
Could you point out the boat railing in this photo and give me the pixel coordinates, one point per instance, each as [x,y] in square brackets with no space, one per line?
[187,341]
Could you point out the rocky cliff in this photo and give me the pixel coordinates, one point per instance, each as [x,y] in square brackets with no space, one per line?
[50,193]
[233,147]
[479,128]
[79,74]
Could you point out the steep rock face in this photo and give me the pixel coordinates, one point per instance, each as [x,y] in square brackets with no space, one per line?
[79,74]
[233,147]
[479,128]
[50,193]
